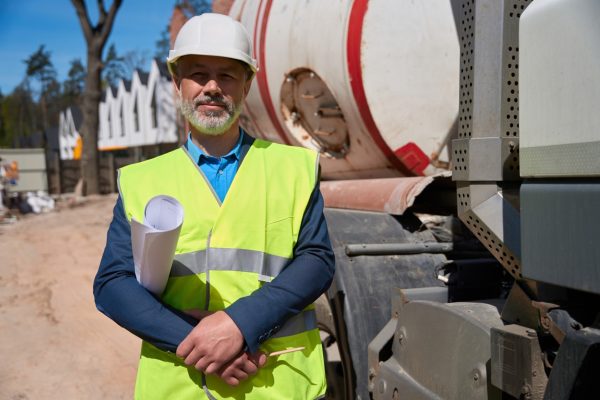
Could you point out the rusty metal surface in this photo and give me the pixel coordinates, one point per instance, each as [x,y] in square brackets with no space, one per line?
[390,195]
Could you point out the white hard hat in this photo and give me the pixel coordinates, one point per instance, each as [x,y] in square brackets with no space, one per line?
[213,35]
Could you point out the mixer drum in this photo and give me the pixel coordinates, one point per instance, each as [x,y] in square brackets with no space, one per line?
[372,85]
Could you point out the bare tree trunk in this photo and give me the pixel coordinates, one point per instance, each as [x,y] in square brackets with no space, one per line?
[95,37]
[89,128]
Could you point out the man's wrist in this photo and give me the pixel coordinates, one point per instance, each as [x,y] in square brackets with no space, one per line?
[237,315]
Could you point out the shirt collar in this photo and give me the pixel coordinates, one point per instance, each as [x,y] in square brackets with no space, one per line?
[197,153]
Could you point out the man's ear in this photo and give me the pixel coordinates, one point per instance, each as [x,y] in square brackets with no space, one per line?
[247,86]
[176,82]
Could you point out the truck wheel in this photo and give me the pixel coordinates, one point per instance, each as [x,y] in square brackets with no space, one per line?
[360,294]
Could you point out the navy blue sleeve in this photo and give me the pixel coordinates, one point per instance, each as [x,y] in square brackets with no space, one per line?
[120,297]
[307,276]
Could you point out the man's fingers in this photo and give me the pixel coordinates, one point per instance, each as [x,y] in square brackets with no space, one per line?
[212,368]
[243,364]
[250,368]
[247,363]
[238,370]
[201,364]
[240,375]
[216,338]
[184,348]
[233,375]
[259,358]
[231,381]
[193,357]
[263,359]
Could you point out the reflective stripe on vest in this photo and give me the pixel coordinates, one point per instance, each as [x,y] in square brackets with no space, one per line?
[305,321]
[267,266]
[227,251]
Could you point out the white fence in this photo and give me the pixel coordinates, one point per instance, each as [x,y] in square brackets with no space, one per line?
[139,112]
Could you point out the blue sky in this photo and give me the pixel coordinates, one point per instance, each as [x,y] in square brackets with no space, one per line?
[26,24]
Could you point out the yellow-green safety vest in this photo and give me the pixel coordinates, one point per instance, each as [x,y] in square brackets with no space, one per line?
[227,251]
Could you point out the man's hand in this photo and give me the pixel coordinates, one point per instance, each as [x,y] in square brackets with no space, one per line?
[214,342]
[241,367]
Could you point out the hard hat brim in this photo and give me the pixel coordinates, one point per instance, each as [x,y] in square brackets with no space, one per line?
[174,55]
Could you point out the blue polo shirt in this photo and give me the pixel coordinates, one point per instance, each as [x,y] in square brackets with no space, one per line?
[219,171]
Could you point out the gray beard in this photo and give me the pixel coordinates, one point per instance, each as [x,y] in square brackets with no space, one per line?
[213,123]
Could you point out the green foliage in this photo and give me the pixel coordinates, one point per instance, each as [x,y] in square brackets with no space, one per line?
[40,67]
[120,67]
[20,115]
[162,45]
[114,68]
[74,84]
[135,59]
[200,6]
[55,102]
[35,104]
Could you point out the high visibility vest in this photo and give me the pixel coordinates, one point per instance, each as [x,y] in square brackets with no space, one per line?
[227,251]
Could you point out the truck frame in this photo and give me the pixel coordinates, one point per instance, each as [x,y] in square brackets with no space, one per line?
[505,303]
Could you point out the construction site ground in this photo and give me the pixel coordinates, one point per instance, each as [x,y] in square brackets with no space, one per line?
[54,343]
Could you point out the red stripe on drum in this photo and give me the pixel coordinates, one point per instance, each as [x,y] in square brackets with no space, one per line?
[353,51]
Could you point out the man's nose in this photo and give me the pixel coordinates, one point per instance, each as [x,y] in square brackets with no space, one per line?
[211,87]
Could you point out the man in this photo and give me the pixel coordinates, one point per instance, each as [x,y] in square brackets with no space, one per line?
[253,253]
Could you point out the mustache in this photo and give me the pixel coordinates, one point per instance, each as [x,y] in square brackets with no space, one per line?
[204,99]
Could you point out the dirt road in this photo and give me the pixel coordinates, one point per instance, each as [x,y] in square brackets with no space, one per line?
[53,342]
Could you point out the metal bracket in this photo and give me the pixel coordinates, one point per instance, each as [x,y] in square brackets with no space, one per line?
[555,321]
[485,159]
[518,308]
[488,213]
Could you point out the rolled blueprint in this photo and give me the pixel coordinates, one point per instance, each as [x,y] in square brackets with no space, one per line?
[154,241]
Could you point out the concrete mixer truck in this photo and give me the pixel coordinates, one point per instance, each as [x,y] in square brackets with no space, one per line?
[460,156]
